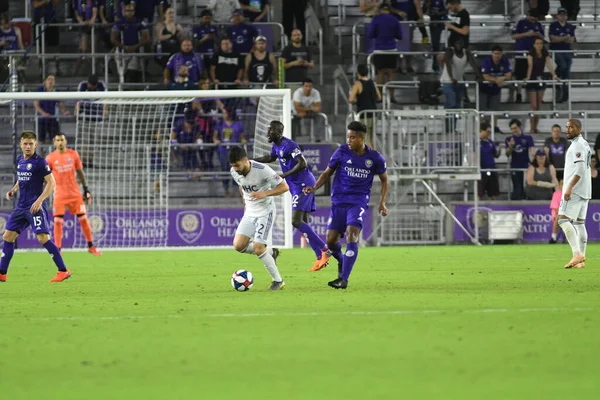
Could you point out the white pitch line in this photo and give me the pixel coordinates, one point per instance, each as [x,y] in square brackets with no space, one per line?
[312,314]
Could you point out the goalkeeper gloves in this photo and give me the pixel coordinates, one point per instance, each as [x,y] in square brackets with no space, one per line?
[87,196]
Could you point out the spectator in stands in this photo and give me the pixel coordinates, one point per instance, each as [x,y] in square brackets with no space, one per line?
[86,13]
[437,13]
[595,178]
[46,10]
[489,151]
[307,104]
[297,60]
[556,148]
[495,70]
[92,84]
[10,35]
[184,138]
[543,7]
[242,34]
[369,7]
[182,82]
[260,65]
[125,36]
[227,66]
[256,10]
[455,62]
[168,36]
[48,125]
[145,10]
[207,118]
[385,29]
[562,36]
[109,12]
[365,94]
[228,132]
[293,10]
[524,34]
[572,7]
[410,10]
[538,59]
[520,148]
[188,57]
[541,178]
[459,23]
[222,9]
[205,36]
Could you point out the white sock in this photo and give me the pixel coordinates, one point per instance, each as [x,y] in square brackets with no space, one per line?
[571,234]
[250,248]
[582,234]
[269,262]
[554,236]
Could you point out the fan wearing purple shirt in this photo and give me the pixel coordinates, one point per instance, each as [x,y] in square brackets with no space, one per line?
[35,183]
[297,175]
[86,12]
[521,149]
[125,35]
[228,132]
[524,34]
[562,36]
[355,165]
[48,125]
[205,34]
[188,57]
[241,33]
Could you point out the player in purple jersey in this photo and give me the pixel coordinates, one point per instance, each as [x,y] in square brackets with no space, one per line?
[355,165]
[293,165]
[36,183]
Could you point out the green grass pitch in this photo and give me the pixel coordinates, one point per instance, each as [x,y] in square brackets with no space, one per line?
[502,322]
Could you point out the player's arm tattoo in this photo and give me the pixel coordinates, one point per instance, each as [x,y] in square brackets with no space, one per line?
[300,165]
[266,159]
[384,187]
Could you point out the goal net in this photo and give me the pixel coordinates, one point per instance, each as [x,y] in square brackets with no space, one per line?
[130,158]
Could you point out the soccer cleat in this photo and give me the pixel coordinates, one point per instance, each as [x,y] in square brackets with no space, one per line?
[339,283]
[275,254]
[94,251]
[577,259]
[322,262]
[61,276]
[277,285]
[552,241]
[2,277]
[580,265]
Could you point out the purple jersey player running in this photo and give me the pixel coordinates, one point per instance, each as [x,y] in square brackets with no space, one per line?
[293,165]
[36,183]
[355,165]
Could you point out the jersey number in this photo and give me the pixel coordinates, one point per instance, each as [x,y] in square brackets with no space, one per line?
[37,221]
[360,216]
[261,229]
[295,200]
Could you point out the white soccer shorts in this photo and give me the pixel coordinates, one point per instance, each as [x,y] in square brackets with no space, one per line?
[574,209]
[259,228]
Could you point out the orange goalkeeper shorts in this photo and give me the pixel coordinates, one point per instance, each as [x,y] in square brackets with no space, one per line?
[75,207]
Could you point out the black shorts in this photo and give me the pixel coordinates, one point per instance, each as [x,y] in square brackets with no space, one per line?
[47,128]
[488,183]
[385,61]
[521,67]
[85,30]
[534,86]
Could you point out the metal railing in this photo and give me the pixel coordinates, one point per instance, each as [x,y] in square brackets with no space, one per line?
[342,87]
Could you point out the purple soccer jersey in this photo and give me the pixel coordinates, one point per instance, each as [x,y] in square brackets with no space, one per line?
[85,8]
[30,173]
[192,60]
[351,189]
[288,152]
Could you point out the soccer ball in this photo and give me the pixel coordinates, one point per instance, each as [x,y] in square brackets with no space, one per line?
[242,280]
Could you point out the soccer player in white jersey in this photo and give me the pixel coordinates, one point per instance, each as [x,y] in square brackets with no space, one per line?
[258,184]
[577,192]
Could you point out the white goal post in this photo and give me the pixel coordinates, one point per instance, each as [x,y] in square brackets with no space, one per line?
[122,136]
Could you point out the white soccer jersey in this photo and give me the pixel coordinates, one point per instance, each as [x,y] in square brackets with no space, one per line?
[260,178]
[577,162]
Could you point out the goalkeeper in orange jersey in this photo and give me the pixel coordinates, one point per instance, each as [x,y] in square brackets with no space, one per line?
[65,163]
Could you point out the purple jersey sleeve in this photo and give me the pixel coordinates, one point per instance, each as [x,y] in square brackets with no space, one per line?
[334,161]
[380,165]
[273,151]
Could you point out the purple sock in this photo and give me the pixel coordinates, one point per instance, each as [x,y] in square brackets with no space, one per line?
[56,256]
[316,243]
[8,249]
[349,260]
[336,251]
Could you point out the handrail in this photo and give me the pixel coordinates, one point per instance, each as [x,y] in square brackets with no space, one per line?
[339,89]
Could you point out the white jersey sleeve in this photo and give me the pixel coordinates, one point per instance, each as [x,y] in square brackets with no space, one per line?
[260,178]
[577,162]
